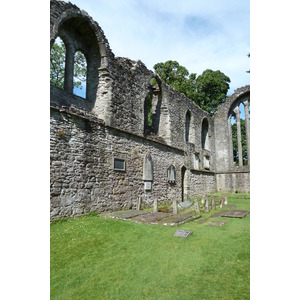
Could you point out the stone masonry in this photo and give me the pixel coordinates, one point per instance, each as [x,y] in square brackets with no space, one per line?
[99,143]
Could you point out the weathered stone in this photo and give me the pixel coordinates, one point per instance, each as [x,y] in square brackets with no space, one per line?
[175,207]
[112,122]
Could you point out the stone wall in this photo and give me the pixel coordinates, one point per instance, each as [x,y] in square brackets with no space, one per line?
[110,126]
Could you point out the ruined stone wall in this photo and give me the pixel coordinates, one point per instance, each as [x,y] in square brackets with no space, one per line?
[83,178]
[230,178]
[111,123]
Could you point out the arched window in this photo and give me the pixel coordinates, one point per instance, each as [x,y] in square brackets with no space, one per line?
[187,125]
[204,134]
[82,57]
[79,77]
[57,63]
[239,121]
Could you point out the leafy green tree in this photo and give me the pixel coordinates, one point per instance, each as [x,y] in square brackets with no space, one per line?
[208,90]
[173,74]
[57,66]
[212,87]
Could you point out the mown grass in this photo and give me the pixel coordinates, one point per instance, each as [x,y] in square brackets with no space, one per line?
[94,258]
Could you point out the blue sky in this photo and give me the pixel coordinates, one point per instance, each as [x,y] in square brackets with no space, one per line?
[200,35]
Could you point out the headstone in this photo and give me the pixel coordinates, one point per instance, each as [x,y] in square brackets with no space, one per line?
[213,202]
[175,207]
[221,201]
[155,205]
[225,200]
[183,233]
[197,207]
[203,199]
[139,204]
[206,205]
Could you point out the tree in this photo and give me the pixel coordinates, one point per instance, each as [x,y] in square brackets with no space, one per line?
[57,66]
[208,90]
[212,88]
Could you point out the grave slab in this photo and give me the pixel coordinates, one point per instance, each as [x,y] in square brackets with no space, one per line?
[151,217]
[174,220]
[235,213]
[183,233]
[218,223]
[128,214]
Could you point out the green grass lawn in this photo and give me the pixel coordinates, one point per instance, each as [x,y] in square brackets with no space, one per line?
[95,258]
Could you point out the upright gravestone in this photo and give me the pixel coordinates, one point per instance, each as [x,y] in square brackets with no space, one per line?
[197,207]
[225,200]
[155,205]
[175,207]
[139,204]
[206,205]
[213,202]
[203,199]
[221,201]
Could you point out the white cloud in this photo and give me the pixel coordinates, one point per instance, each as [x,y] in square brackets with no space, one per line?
[204,34]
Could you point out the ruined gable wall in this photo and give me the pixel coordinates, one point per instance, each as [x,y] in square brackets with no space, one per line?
[229,177]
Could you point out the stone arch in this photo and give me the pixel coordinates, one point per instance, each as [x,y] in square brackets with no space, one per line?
[239,111]
[223,133]
[80,33]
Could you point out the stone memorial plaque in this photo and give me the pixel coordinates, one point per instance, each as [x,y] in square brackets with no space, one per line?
[182,233]
[148,186]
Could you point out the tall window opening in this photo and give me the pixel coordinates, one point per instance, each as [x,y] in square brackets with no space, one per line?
[187,125]
[57,63]
[204,135]
[80,73]
[239,136]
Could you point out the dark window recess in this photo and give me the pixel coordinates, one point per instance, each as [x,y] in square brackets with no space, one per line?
[119,164]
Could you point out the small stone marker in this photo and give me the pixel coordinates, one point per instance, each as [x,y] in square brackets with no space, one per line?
[225,200]
[155,205]
[139,204]
[221,201]
[182,233]
[213,202]
[206,205]
[197,207]
[175,207]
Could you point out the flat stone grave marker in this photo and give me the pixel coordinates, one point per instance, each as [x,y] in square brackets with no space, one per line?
[185,204]
[235,213]
[178,219]
[128,214]
[218,223]
[183,233]
[152,217]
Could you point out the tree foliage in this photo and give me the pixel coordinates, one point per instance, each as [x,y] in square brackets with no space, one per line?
[208,90]
[57,66]
[212,87]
